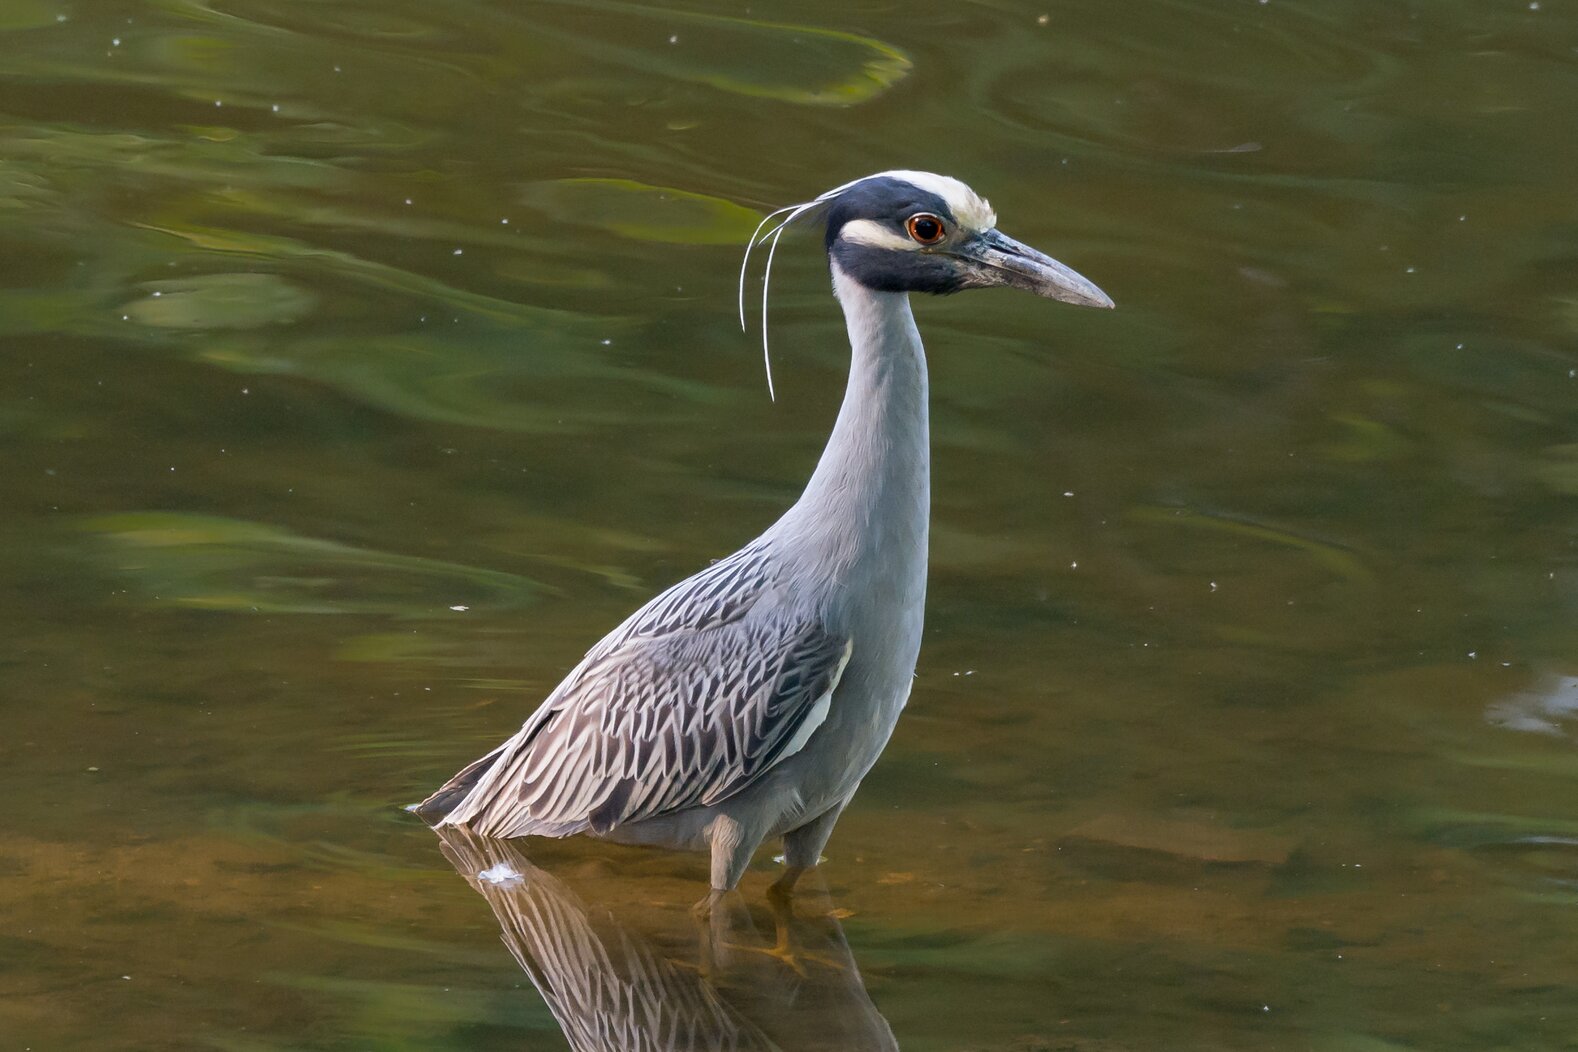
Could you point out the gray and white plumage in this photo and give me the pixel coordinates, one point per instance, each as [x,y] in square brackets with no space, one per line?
[748,701]
[682,706]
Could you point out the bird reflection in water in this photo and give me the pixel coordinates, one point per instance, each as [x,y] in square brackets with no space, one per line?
[630,977]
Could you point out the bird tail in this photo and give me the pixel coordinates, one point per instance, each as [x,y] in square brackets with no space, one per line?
[438,806]
[486,796]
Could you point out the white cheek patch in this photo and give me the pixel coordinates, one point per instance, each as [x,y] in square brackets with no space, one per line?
[973,211]
[870,232]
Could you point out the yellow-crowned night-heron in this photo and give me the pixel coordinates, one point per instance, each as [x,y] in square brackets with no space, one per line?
[748,701]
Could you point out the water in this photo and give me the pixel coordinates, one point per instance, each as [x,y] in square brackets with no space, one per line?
[363,363]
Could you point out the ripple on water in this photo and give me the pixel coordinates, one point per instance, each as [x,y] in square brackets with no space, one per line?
[400,339]
[28,14]
[340,832]
[1180,110]
[756,58]
[1558,469]
[1540,855]
[207,563]
[353,21]
[789,62]
[1550,707]
[645,213]
[221,301]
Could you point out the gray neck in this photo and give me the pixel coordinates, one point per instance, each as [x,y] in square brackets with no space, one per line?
[864,513]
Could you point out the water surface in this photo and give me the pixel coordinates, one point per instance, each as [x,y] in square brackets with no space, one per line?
[363,363]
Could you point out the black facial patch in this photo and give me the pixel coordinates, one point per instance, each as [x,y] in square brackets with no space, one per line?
[885,200]
[895,270]
[890,201]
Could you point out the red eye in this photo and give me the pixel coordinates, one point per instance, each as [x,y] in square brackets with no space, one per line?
[925,228]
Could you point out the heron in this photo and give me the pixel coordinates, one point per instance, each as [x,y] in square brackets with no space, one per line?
[748,701]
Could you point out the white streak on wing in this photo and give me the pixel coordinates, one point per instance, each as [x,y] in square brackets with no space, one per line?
[813,719]
[818,714]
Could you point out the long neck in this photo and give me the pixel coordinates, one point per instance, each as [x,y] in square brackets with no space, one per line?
[868,501]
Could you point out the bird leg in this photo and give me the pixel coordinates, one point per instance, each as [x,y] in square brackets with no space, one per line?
[713,922]
[732,846]
[803,850]
[786,947]
[724,929]
[781,891]
[781,899]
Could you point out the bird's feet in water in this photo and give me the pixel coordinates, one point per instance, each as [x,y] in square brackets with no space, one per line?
[715,916]
[727,929]
[781,891]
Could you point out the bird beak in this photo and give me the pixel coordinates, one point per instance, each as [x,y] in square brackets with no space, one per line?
[1000,260]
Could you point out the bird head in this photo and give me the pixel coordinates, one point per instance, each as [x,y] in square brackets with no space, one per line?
[905,231]
[918,232]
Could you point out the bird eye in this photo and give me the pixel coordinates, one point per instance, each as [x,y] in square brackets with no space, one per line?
[925,228]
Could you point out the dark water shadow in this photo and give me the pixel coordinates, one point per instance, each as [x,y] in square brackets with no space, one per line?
[623,973]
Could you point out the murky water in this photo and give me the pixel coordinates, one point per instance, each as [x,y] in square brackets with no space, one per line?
[364,362]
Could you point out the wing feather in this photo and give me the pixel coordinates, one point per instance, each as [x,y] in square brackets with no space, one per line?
[688,702]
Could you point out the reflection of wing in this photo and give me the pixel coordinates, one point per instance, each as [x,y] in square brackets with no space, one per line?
[612,990]
[689,701]
[608,990]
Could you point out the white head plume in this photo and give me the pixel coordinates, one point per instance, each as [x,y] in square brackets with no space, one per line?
[758,238]
[967,206]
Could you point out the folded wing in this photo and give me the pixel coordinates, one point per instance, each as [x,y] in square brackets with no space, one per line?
[690,701]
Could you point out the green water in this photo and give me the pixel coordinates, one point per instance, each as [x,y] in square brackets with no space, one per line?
[363,362]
